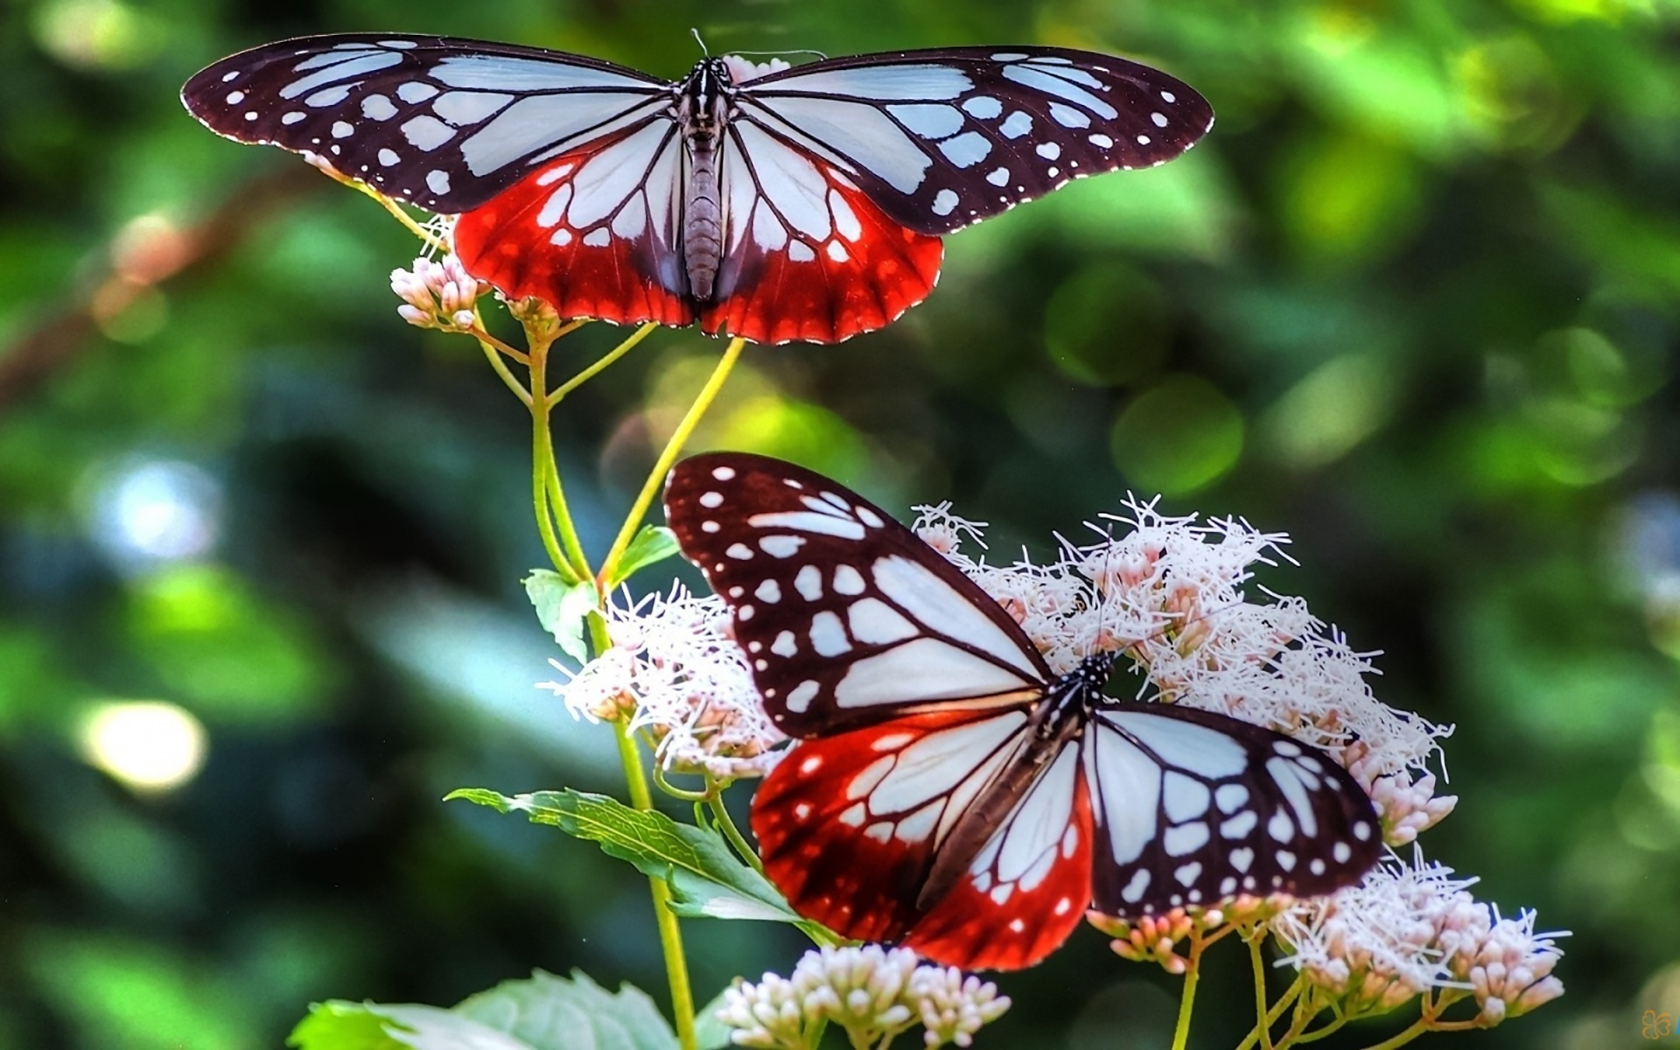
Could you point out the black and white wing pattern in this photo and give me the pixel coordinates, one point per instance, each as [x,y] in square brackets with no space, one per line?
[847,616]
[444,123]
[943,138]
[1193,807]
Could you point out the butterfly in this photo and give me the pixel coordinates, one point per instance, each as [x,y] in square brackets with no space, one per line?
[948,791]
[799,203]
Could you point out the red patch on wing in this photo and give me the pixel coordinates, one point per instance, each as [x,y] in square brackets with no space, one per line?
[866,273]
[815,842]
[839,860]
[523,250]
[972,929]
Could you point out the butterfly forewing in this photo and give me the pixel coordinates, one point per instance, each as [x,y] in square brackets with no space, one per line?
[847,618]
[442,122]
[944,138]
[1193,807]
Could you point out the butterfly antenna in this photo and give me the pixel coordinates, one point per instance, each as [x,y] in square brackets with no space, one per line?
[695,32]
[796,51]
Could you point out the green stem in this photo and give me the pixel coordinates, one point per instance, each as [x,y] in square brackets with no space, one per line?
[1272,1015]
[542,468]
[600,366]
[720,813]
[670,935]
[563,547]
[673,449]
[1187,1000]
[1418,1027]
[1262,1026]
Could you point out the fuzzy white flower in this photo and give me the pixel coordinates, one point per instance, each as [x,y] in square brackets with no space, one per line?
[1407,928]
[675,670]
[874,993]
[438,294]
[1169,593]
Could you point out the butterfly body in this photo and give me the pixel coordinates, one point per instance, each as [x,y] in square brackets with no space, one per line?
[796,203]
[948,791]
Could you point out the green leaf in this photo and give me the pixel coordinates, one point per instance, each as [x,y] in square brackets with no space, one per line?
[543,1013]
[653,544]
[561,608]
[706,877]
[340,1025]
[554,1013]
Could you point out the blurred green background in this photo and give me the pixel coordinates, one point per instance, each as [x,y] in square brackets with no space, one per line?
[1415,301]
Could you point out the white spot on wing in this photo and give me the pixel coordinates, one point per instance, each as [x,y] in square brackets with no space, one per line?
[781,546]
[799,699]
[944,202]
[828,636]
[1018,124]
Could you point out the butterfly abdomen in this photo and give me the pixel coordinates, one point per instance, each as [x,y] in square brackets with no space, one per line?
[701,115]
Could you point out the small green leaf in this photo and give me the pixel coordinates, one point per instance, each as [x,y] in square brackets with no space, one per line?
[706,877]
[543,1013]
[653,544]
[561,608]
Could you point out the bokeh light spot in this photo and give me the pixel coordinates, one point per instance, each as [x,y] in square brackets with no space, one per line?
[97,34]
[1338,405]
[148,745]
[155,511]
[1179,436]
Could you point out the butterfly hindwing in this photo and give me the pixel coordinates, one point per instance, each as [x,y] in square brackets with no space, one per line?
[444,123]
[848,825]
[846,616]
[808,255]
[607,216]
[944,138]
[1192,807]
[1027,888]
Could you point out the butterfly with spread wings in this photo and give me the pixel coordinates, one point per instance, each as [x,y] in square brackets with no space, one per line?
[801,203]
[949,791]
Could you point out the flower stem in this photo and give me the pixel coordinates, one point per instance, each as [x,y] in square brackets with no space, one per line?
[1187,1000]
[1418,1027]
[563,547]
[673,448]
[1262,1024]
[599,366]
[670,935]
[720,813]
[1272,1015]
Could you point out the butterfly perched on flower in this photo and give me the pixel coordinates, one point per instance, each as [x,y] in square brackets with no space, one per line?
[794,203]
[949,791]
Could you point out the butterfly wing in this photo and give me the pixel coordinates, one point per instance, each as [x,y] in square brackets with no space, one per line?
[848,618]
[849,827]
[943,138]
[441,122]
[1192,807]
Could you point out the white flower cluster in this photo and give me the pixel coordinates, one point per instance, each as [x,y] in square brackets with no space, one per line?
[674,669]
[1408,928]
[875,994]
[438,294]
[1168,594]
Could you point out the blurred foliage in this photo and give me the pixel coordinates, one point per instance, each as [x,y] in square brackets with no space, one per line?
[1415,301]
